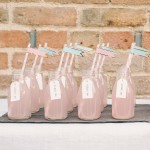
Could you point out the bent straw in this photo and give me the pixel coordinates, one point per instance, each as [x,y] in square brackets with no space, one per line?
[41,60]
[71,61]
[25,61]
[99,58]
[93,64]
[67,58]
[102,58]
[34,63]
[129,60]
[61,60]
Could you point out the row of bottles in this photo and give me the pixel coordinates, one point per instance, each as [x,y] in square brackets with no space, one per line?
[29,92]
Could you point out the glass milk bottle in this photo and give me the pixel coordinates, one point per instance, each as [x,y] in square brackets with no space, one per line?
[69,91]
[89,104]
[73,84]
[103,80]
[32,84]
[100,89]
[55,98]
[123,96]
[19,100]
[41,83]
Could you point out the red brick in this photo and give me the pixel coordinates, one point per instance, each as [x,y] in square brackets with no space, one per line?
[48,63]
[134,2]
[14,39]
[113,64]
[142,84]
[53,38]
[86,38]
[45,16]
[3,60]
[145,40]
[147,64]
[118,40]
[113,17]
[3,15]
[79,1]
[6,1]
[5,81]
[18,59]
[51,62]
[83,63]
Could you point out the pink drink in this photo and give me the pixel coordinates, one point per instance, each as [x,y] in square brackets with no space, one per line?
[41,83]
[123,96]
[74,86]
[55,99]
[32,84]
[89,104]
[100,89]
[68,88]
[19,100]
[103,81]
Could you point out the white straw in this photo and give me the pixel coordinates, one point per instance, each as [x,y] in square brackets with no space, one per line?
[66,62]
[41,60]
[71,61]
[61,60]
[93,64]
[34,63]
[129,60]
[102,62]
[102,58]
[98,62]
[25,61]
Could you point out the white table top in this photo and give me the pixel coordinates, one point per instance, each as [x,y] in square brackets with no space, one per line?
[106,136]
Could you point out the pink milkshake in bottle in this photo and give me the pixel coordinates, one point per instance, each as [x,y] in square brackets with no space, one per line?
[19,100]
[55,98]
[124,91]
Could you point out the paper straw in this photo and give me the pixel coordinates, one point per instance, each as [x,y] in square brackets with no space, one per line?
[98,62]
[67,58]
[71,61]
[41,60]
[102,62]
[61,60]
[34,63]
[93,64]
[102,58]
[66,62]
[129,60]
[25,61]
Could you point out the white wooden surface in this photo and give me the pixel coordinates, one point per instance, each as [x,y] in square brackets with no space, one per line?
[122,136]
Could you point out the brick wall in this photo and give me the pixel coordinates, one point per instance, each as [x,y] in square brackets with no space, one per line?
[87,22]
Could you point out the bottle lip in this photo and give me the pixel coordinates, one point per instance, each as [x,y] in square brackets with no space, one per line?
[16,72]
[123,71]
[53,73]
[17,75]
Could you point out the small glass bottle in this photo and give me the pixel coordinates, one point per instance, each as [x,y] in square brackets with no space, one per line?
[103,81]
[41,83]
[123,96]
[100,89]
[73,84]
[55,98]
[89,103]
[68,87]
[32,84]
[19,100]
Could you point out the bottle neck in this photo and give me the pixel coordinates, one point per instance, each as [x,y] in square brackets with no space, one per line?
[17,76]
